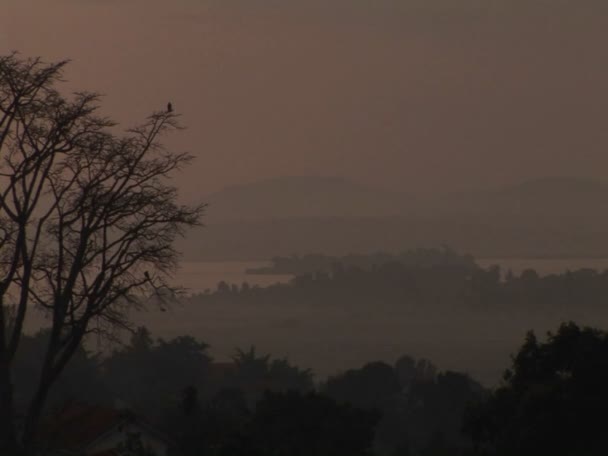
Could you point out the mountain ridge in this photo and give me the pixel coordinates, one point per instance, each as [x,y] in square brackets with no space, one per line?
[327,196]
[301,196]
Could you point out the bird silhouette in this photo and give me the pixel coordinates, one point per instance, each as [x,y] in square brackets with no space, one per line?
[169,107]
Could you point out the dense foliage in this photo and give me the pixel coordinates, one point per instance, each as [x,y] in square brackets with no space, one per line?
[255,403]
[548,402]
[551,399]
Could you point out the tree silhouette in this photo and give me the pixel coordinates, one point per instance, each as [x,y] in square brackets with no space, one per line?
[254,374]
[144,374]
[550,399]
[87,222]
[369,387]
[250,366]
[310,425]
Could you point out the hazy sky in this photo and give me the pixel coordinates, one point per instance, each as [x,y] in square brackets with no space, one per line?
[408,94]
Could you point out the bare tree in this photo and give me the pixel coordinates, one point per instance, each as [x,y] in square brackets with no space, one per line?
[87,222]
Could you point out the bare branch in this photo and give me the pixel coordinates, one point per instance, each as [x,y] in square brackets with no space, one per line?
[88,219]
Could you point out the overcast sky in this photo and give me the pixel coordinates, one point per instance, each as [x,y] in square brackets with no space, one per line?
[414,95]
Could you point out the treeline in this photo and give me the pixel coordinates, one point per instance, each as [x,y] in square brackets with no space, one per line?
[255,404]
[417,288]
[550,401]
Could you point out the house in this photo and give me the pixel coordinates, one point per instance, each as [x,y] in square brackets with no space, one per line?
[86,430]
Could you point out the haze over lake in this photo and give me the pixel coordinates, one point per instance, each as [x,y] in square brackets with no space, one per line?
[331,340]
[334,339]
[198,276]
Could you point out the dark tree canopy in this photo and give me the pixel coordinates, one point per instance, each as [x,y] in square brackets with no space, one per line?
[369,387]
[551,398]
[309,425]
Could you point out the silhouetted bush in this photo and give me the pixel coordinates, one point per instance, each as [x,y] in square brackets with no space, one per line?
[551,399]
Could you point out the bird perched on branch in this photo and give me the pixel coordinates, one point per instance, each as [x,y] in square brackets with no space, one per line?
[169,107]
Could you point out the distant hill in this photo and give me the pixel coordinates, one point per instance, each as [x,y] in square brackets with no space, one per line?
[313,196]
[301,196]
[554,196]
[559,186]
[552,217]
[562,196]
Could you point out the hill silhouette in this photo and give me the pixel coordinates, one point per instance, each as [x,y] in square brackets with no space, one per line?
[302,196]
[550,196]
[548,217]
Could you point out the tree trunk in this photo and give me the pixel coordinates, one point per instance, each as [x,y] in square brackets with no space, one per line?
[50,373]
[8,435]
[33,417]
